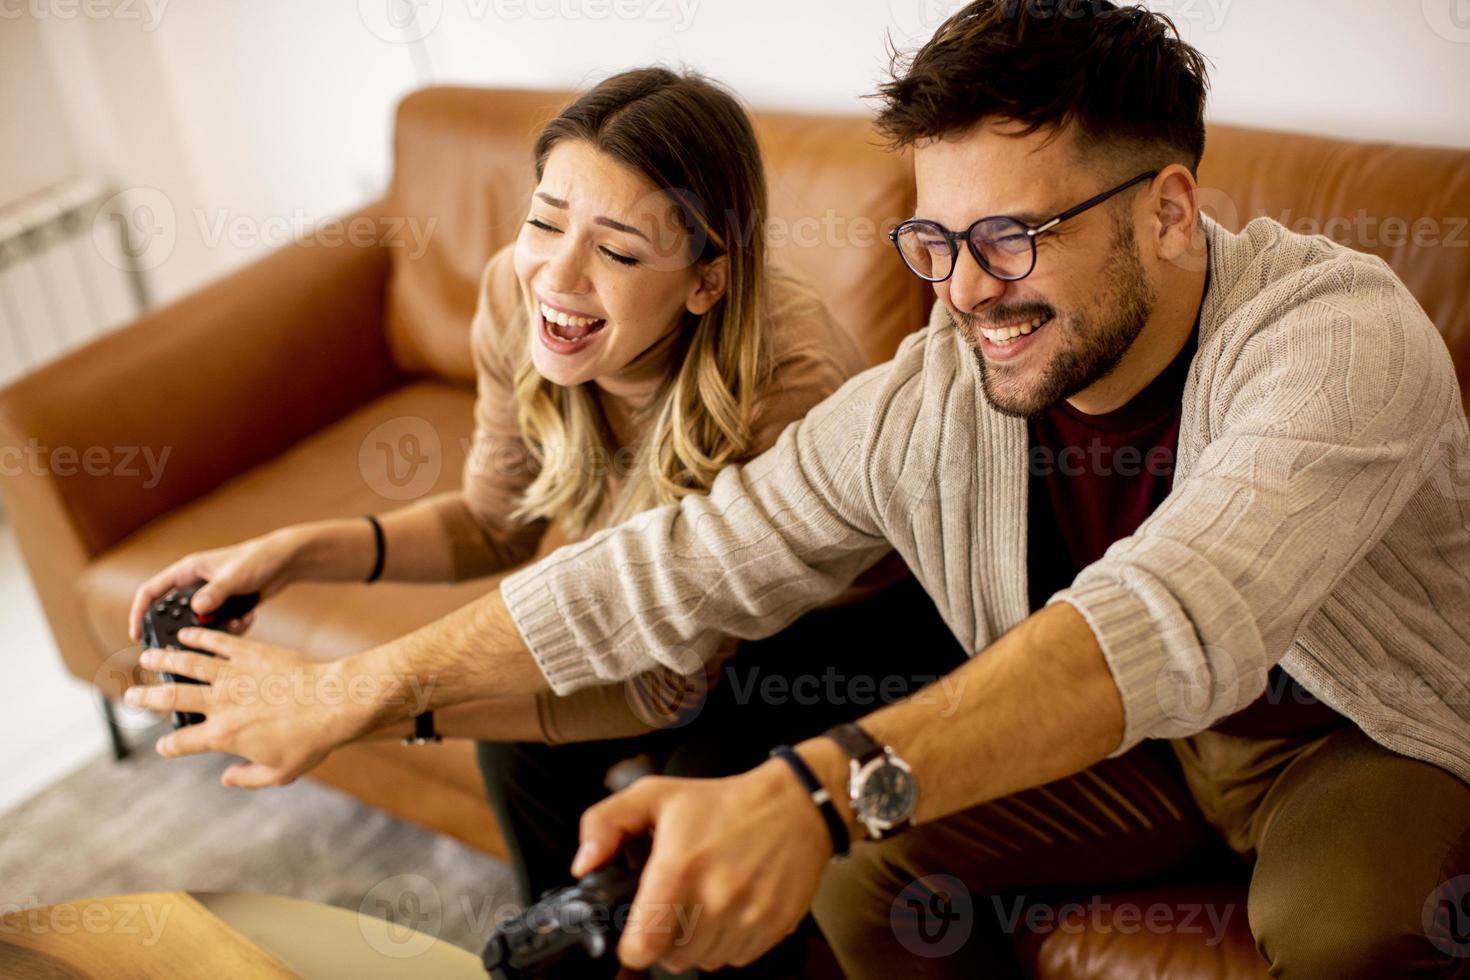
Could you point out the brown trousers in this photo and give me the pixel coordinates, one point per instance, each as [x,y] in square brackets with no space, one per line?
[1349,843]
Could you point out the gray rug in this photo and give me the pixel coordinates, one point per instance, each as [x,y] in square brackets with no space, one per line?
[153,824]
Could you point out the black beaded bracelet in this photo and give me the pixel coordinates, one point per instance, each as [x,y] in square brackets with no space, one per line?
[378,537]
[423,730]
[841,842]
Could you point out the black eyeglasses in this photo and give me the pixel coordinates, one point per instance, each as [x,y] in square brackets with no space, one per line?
[1004,246]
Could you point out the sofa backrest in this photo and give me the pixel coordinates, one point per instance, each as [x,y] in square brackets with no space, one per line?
[1409,205]
[463,160]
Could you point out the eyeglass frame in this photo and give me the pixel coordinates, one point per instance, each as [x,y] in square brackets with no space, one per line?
[1032,232]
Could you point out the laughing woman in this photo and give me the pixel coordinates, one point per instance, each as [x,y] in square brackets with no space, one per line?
[630,343]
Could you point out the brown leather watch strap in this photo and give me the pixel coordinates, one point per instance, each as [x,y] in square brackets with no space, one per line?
[855,742]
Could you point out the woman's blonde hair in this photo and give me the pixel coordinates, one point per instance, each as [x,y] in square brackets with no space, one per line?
[694,142]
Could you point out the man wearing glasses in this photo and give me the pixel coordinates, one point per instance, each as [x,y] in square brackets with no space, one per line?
[1195,499]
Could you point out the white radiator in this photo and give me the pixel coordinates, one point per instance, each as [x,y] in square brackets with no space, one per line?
[66,273]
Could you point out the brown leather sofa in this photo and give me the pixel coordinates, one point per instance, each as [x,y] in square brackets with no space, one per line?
[334,378]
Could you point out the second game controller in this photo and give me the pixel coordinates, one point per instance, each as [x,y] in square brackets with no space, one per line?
[166,616]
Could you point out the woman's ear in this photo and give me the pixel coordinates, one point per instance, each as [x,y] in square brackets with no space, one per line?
[712,279]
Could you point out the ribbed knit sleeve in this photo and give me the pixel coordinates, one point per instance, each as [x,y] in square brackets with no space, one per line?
[1337,384]
[773,538]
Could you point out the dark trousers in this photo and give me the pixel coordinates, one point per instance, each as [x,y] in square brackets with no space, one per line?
[830,666]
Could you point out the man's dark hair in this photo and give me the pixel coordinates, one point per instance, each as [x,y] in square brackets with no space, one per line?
[1132,86]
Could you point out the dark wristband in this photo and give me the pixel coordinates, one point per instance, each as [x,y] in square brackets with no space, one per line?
[378,538]
[423,730]
[841,842]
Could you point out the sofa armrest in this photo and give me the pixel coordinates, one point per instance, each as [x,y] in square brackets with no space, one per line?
[155,414]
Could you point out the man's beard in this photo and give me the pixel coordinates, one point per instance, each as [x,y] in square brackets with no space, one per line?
[1096,340]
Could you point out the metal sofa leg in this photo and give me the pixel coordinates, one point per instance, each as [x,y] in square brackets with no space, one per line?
[114,733]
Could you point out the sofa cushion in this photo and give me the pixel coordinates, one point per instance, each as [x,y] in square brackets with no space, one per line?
[340,471]
[1168,932]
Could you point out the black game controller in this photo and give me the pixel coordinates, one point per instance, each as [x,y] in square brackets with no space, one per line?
[572,931]
[166,616]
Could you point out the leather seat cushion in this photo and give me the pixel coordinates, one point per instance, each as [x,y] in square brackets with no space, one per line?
[1108,935]
[340,471]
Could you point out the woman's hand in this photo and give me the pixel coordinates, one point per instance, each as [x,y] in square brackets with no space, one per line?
[278,709]
[261,565]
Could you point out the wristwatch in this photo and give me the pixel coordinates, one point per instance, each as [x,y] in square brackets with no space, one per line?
[880,785]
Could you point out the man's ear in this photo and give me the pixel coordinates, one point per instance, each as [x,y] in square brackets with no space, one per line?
[712,279]
[1178,212]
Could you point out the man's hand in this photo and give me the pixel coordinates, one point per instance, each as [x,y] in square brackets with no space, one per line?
[282,712]
[735,864]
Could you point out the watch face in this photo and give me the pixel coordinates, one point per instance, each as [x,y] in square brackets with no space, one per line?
[888,794]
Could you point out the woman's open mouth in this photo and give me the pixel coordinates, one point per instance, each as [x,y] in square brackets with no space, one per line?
[564,332]
[1001,343]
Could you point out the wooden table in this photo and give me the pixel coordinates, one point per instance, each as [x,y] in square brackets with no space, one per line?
[218,935]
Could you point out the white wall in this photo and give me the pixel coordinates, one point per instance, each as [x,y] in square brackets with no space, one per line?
[1368,69]
[274,110]
[30,115]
